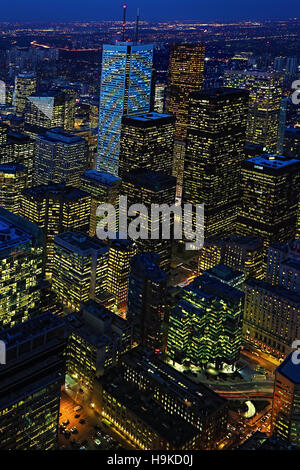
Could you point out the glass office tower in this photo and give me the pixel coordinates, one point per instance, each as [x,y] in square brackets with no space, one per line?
[125,90]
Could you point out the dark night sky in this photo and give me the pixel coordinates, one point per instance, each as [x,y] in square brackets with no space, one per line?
[203,10]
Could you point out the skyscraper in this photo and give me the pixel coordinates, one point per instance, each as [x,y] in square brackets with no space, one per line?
[97,338]
[291,66]
[30,384]
[147,141]
[186,73]
[270,194]
[25,86]
[214,155]
[265,94]
[45,111]
[291,142]
[282,125]
[241,253]
[120,254]
[147,302]
[21,258]
[147,188]
[125,90]
[13,179]
[186,68]
[69,120]
[283,266]
[17,149]
[103,188]
[271,317]
[60,157]
[56,209]
[285,421]
[79,270]
[159,97]
[205,325]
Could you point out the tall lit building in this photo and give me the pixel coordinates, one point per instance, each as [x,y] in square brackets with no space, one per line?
[283,266]
[69,120]
[147,141]
[279,64]
[30,384]
[158,407]
[25,86]
[120,254]
[285,421]
[271,317]
[17,148]
[186,69]
[265,94]
[103,188]
[214,155]
[186,73]
[159,97]
[13,179]
[56,209]
[291,66]
[125,90]
[241,253]
[147,188]
[282,125]
[21,258]
[79,270]
[60,157]
[270,194]
[227,275]
[147,302]
[46,111]
[205,324]
[97,338]
[291,142]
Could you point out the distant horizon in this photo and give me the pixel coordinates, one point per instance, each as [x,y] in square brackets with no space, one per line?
[33,11]
[162,20]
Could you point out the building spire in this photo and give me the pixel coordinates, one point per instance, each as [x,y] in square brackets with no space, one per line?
[137,26]
[124,22]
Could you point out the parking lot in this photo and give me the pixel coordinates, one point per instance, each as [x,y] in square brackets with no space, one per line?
[88,435]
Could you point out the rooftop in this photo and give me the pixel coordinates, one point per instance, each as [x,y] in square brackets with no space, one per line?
[59,135]
[224,273]
[233,239]
[14,230]
[273,162]
[289,370]
[217,93]
[95,324]
[293,132]
[67,193]
[145,265]
[197,396]
[148,119]
[100,177]
[277,291]
[37,326]
[81,243]
[12,168]
[214,288]
[152,180]
[171,427]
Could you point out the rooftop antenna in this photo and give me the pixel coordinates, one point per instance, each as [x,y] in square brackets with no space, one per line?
[137,26]
[124,22]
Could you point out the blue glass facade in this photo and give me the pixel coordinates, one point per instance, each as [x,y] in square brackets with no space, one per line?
[125,89]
